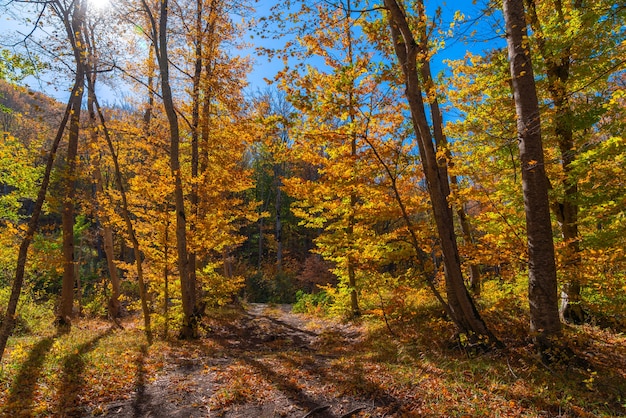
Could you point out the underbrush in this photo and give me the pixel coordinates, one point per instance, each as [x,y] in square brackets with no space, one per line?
[411,350]
[312,303]
[34,315]
[421,362]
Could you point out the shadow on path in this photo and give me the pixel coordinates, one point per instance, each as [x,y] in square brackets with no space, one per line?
[290,389]
[140,381]
[290,327]
[329,387]
[72,379]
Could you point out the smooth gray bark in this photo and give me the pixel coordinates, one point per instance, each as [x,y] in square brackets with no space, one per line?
[542,283]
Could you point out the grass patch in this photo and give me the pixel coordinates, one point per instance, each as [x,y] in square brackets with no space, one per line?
[64,374]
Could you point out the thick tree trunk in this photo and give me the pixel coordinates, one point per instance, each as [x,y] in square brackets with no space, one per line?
[542,286]
[460,303]
[566,211]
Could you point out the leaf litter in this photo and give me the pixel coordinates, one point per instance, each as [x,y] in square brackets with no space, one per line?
[266,361]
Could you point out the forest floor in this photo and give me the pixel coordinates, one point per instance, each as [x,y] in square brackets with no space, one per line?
[265,361]
[268,362]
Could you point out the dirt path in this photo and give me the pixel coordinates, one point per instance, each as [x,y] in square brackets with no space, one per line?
[268,362]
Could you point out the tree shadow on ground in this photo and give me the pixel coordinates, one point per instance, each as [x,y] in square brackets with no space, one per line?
[284,324]
[140,381]
[311,353]
[290,389]
[72,377]
[22,391]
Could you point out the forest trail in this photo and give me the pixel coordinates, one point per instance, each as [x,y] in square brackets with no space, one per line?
[266,362]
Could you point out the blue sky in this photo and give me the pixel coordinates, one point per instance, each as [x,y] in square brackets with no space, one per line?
[478,36]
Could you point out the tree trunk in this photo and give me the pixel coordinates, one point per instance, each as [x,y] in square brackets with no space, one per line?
[227,259]
[354,296]
[189,328]
[147,116]
[260,245]
[278,203]
[16,289]
[195,154]
[461,306]
[440,138]
[566,211]
[74,29]
[106,231]
[66,304]
[166,277]
[542,286]
[114,300]
[107,235]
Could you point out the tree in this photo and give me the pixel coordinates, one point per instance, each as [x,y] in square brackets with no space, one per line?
[486,154]
[72,17]
[441,140]
[271,163]
[333,103]
[16,288]
[15,67]
[542,286]
[216,105]
[94,108]
[159,36]
[407,50]
[18,178]
[583,36]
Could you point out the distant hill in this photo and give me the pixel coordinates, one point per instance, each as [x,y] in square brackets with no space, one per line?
[30,116]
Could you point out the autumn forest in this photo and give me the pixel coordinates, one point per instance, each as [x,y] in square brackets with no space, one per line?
[413,211]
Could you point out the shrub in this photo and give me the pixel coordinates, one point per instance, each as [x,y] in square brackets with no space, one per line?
[32,316]
[313,303]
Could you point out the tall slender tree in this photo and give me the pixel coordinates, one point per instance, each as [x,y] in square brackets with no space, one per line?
[583,36]
[441,141]
[408,49]
[158,26]
[72,16]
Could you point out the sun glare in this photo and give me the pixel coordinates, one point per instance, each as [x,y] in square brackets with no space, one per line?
[99,4]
